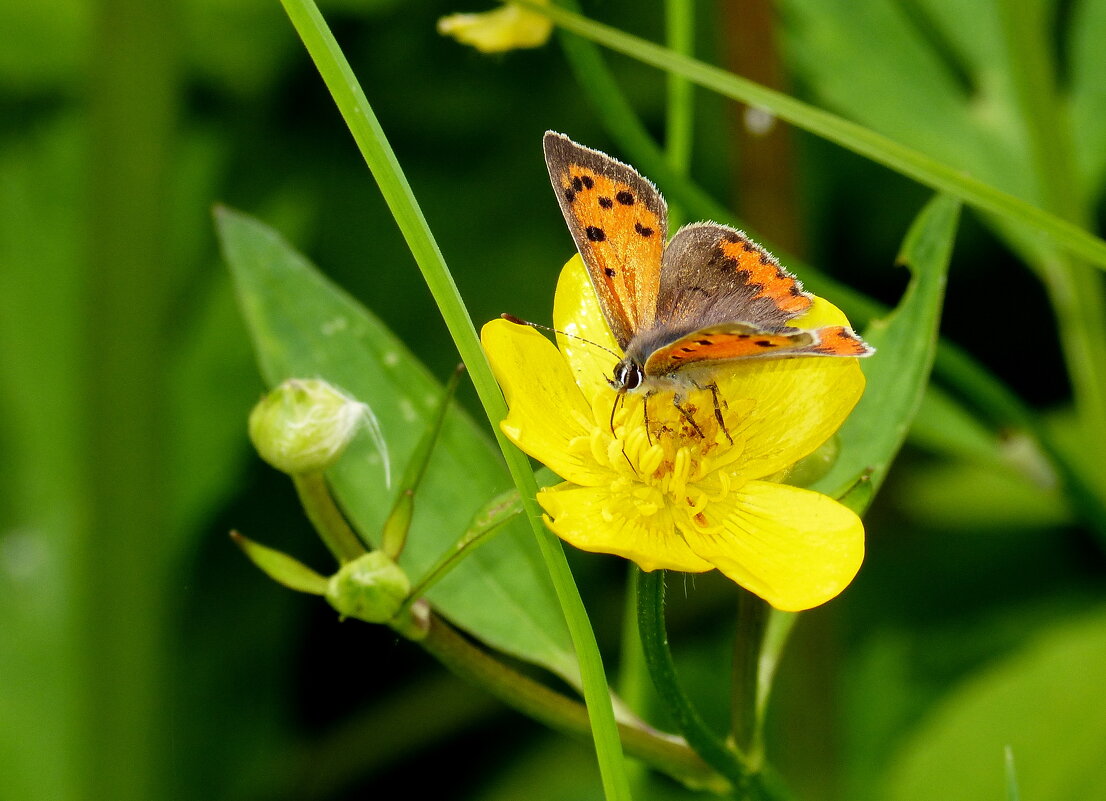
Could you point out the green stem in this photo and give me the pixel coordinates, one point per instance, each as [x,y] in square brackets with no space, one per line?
[863,141]
[752,617]
[662,751]
[327,518]
[654,641]
[133,99]
[380,158]
[679,18]
[1075,289]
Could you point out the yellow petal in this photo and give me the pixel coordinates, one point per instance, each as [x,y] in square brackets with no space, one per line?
[821,313]
[576,311]
[794,548]
[505,28]
[549,418]
[783,409]
[629,521]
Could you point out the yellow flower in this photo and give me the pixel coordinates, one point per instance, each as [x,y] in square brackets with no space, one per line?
[506,28]
[672,498]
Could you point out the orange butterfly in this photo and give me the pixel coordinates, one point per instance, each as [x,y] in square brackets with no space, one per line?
[678,311]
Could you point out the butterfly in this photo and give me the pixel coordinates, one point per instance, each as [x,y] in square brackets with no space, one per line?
[681,310]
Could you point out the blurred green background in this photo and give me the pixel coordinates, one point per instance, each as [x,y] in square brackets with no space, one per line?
[142,657]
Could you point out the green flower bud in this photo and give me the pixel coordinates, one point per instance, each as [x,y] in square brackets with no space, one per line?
[370,588]
[303,425]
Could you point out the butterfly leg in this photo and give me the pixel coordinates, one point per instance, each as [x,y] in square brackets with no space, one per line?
[718,408]
[645,415]
[676,401]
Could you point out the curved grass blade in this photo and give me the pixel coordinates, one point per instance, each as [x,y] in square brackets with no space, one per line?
[863,141]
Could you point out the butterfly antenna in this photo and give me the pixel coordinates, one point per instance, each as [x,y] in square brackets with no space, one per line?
[519,321]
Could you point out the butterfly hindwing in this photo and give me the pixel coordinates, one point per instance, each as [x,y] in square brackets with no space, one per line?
[724,343]
[619,222]
[712,274]
[732,341]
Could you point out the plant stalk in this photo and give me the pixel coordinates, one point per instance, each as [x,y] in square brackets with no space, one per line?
[382,162]
[327,518]
[662,751]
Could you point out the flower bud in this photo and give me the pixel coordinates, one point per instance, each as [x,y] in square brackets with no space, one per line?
[815,465]
[303,425]
[505,28]
[370,588]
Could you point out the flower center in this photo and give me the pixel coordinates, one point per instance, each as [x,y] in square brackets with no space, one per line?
[662,452]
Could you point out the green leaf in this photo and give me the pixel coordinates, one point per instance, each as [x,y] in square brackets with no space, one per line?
[281,567]
[1045,702]
[906,343]
[303,326]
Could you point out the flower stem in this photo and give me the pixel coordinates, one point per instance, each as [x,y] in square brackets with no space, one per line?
[327,518]
[382,162]
[662,751]
[654,641]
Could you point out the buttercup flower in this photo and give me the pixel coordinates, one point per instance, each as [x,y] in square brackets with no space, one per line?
[508,27]
[682,496]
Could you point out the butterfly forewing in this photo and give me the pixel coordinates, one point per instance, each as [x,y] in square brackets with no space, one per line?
[715,274]
[619,222]
[840,340]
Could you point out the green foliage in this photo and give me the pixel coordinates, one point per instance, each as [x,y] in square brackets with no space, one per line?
[304,326]
[153,661]
[1048,686]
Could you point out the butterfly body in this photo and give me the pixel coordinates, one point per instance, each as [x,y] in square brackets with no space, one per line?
[680,310]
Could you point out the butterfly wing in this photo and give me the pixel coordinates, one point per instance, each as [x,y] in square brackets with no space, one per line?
[731,341]
[619,222]
[714,274]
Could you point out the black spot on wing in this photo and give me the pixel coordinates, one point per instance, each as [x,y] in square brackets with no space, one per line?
[606,202]
[644,230]
[595,234]
[625,198]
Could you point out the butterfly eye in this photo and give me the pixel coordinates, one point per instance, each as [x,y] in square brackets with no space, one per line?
[627,376]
